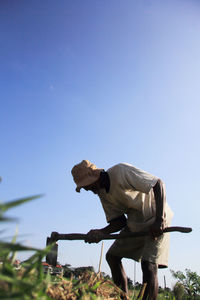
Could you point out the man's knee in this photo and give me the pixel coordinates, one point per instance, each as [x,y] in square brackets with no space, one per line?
[110,258]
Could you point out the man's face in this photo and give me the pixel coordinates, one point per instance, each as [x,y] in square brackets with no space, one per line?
[94,187]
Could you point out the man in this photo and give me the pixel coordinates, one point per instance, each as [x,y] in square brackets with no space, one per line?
[133,201]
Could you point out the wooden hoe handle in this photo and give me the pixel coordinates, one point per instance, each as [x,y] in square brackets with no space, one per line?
[55,236]
[51,257]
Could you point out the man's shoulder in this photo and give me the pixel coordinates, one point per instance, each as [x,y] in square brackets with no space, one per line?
[120,171]
[127,171]
[121,167]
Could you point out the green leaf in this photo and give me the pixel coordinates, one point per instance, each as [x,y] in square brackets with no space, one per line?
[36,258]
[8,269]
[11,204]
[7,278]
[16,247]
[7,219]
[93,288]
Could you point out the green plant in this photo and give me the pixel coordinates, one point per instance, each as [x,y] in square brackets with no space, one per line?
[190,281]
[29,282]
[178,291]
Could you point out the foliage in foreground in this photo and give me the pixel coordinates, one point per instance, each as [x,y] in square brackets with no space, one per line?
[30,282]
[27,283]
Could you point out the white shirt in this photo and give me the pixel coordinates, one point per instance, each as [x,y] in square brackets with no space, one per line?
[130,193]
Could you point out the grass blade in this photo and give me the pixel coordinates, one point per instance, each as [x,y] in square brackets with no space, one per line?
[16,247]
[14,203]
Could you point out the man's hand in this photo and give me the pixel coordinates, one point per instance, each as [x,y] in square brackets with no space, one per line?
[156,229]
[94,236]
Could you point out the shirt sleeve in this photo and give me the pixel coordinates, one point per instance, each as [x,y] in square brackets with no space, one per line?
[139,179]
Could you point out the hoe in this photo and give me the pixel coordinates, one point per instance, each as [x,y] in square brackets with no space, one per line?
[51,257]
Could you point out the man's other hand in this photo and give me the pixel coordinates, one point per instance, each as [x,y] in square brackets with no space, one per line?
[94,236]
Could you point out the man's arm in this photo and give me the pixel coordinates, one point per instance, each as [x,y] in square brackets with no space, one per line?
[95,235]
[158,226]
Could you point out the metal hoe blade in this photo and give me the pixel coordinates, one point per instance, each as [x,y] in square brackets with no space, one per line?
[51,257]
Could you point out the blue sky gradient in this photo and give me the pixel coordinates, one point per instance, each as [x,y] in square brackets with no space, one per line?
[109,81]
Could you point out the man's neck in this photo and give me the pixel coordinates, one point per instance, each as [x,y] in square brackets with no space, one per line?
[105,181]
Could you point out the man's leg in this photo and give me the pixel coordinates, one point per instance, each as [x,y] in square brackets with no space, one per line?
[150,271]
[117,270]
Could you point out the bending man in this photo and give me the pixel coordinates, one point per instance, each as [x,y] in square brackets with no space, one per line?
[133,201]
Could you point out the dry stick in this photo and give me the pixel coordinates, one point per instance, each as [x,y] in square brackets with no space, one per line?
[100,260]
[142,290]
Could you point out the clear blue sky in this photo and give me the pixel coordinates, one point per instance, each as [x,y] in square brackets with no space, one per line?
[109,81]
